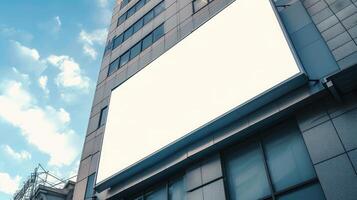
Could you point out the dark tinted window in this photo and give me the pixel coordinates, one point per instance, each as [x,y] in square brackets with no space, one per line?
[135,50]
[89,187]
[158,33]
[117,41]
[276,163]
[159,8]
[124,3]
[128,33]
[138,25]
[148,17]
[140,4]
[130,12]
[286,146]
[103,116]
[113,66]
[147,41]
[124,58]
[177,190]
[122,19]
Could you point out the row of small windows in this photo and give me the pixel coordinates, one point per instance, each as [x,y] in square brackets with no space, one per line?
[138,24]
[131,11]
[273,166]
[198,4]
[136,49]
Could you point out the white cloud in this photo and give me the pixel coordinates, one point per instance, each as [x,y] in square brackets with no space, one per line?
[8,184]
[97,36]
[44,127]
[26,59]
[89,39]
[90,51]
[26,51]
[22,155]
[64,116]
[42,81]
[22,76]
[70,75]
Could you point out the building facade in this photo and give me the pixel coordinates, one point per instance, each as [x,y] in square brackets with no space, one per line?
[49,193]
[294,142]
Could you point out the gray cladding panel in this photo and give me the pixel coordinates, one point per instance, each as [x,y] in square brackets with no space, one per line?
[322,142]
[338,178]
[346,126]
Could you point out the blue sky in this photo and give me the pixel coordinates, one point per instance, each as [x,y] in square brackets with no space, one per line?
[50,57]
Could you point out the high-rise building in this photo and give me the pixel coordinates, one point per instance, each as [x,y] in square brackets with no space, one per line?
[224,99]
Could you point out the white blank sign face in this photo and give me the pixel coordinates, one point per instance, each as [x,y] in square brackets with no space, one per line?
[232,58]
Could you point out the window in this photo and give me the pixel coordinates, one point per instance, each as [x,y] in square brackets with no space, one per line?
[124,58]
[113,66]
[158,32]
[108,47]
[135,50]
[103,116]
[148,17]
[130,12]
[177,190]
[117,41]
[121,19]
[147,41]
[138,25]
[89,188]
[158,194]
[171,190]
[124,3]
[140,4]
[278,165]
[128,33]
[246,175]
[198,4]
[159,8]
[286,146]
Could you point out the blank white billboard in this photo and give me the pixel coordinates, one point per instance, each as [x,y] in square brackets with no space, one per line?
[235,56]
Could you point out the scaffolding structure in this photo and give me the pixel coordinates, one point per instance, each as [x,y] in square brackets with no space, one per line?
[39,177]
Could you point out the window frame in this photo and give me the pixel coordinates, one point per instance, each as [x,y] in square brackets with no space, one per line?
[105,108]
[258,138]
[92,187]
[162,184]
[110,72]
[124,55]
[132,48]
[196,10]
